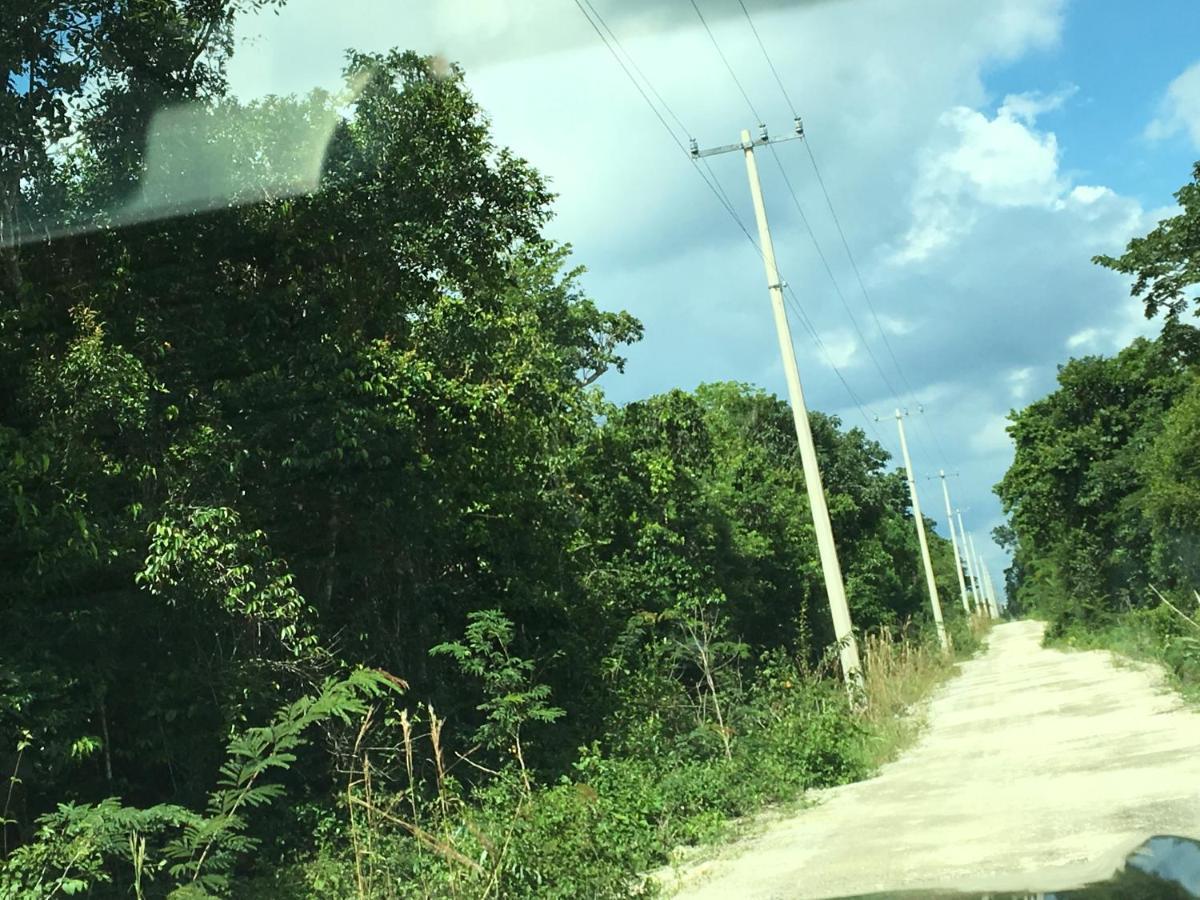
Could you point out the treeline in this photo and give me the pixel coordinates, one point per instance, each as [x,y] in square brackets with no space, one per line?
[315,495]
[1103,494]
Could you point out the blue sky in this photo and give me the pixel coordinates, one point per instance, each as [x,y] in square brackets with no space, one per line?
[1121,55]
[978,155]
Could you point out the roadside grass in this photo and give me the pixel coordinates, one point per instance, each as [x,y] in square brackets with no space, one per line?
[620,820]
[612,824]
[900,673]
[1164,634]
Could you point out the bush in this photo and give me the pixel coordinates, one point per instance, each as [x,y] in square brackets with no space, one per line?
[596,831]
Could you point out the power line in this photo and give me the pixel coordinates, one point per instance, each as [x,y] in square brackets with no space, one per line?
[791,300]
[841,232]
[767,57]
[612,47]
[633,62]
[612,43]
[829,271]
[625,69]
[795,198]
[790,295]
[870,303]
[728,67]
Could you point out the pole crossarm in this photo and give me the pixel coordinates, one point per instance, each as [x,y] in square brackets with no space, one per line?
[762,140]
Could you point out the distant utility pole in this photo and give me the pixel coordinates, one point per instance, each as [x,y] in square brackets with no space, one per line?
[980,589]
[992,593]
[930,581]
[988,592]
[971,567]
[830,567]
[962,584]
[991,589]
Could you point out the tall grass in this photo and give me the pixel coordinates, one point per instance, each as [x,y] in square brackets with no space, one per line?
[421,820]
[1167,634]
[901,670]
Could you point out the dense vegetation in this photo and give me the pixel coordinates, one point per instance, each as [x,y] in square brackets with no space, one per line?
[1104,491]
[313,495]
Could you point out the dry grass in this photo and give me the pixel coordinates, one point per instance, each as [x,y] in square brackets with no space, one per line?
[898,674]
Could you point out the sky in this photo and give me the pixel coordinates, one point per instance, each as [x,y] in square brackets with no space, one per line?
[977,156]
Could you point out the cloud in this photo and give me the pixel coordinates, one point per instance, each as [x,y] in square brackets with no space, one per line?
[991,437]
[1083,340]
[1028,106]
[976,161]
[1179,109]
[841,348]
[303,44]
[1018,383]
[895,325]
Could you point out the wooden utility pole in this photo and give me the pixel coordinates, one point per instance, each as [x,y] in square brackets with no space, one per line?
[930,581]
[962,584]
[826,548]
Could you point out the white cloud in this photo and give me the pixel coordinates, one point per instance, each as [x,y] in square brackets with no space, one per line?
[991,436]
[977,161]
[1083,340]
[895,325]
[1179,109]
[840,348]
[1089,193]
[999,162]
[1119,330]
[1028,106]
[1018,383]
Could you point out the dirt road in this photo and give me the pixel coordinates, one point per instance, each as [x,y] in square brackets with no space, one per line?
[1039,769]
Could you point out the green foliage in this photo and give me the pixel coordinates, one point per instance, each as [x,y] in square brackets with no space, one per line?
[1172,498]
[1166,262]
[251,444]
[1102,494]
[1153,634]
[204,555]
[79,846]
[1078,487]
[220,837]
[599,828]
[511,700]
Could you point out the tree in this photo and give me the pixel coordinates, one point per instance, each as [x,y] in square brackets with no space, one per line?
[249,445]
[1166,262]
[1172,496]
[1076,490]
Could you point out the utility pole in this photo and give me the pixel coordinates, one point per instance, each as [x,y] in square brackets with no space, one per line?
[826,548]
[992,594]
[980,590]
[930,581]
[991,589]
[962,584]
[970,558]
